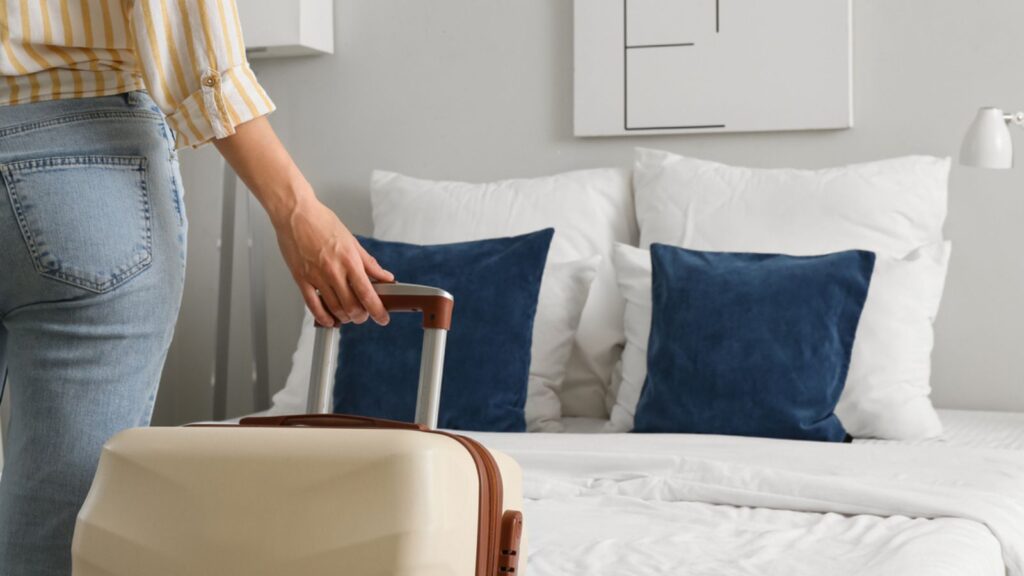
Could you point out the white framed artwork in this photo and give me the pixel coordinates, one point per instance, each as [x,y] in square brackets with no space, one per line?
[686,66]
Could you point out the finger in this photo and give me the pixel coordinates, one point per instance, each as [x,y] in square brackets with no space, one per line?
[373,268]
[330,300]
[349,302]
[315,306]
[363,289]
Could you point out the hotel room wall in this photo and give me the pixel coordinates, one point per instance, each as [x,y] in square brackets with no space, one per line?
[482,89]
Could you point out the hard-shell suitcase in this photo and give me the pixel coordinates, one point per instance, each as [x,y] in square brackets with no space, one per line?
[308,495]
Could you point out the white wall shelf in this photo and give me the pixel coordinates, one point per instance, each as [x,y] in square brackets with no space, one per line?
[282,28]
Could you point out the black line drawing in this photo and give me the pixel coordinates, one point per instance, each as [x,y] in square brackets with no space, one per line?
[625,73]
[694,127]
[625,64]
[660,45]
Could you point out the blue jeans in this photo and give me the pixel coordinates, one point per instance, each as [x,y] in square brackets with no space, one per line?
[92,265]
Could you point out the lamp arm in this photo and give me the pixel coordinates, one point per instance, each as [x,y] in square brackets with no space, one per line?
[1017,118]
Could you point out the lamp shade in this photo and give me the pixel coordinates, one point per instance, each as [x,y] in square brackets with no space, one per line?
[987,143]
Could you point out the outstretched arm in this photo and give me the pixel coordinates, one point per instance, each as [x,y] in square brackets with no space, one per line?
[323,256]
[192,57]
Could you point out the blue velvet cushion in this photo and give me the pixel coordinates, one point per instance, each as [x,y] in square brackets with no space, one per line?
[495,284]
[751,344]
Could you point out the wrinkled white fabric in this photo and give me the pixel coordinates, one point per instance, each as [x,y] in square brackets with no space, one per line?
[613,536]
[656,504]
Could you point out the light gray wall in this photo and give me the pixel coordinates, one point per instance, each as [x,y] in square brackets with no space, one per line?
[482,89]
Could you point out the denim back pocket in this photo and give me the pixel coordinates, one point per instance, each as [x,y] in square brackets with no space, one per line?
[85,219]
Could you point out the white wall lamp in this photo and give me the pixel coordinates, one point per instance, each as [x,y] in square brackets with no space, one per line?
[988,143]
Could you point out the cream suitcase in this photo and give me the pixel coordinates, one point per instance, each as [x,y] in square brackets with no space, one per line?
[308,495]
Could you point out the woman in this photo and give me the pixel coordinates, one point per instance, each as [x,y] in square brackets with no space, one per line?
[92,230]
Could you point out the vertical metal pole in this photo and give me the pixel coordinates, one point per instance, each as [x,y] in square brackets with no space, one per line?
[321,376]
[5,397]
[227,257]
[428,398]
[258,313]
[5,414]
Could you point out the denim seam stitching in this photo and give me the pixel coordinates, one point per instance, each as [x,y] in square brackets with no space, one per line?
[176,193]
[168,134]
[20,215]
[37,164]
[140,165]
[79,117]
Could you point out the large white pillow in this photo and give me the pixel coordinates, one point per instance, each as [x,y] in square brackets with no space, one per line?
[293,397]
[887,388]
[563,293]
[590,210]
[633,273]
[888,207]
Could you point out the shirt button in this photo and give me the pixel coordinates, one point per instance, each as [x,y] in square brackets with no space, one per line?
[210,81]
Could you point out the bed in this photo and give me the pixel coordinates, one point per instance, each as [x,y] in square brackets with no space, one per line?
[654,505]
[601,500]
[681,504]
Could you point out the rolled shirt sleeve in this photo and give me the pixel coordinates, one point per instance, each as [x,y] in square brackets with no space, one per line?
[192,57]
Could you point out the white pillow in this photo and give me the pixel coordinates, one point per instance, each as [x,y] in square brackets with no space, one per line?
[590,210]
[633,272]
[563,293]
[293,397]
[888,386]
[886,391]
[888,207]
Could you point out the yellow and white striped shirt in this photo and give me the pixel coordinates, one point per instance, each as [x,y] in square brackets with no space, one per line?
[188,54]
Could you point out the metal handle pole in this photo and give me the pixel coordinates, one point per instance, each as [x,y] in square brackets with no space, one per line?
[221,368]
[428,397]
[321,377]
[396,297]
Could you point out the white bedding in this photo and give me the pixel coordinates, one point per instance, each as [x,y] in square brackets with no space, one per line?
[669,504]
[964,428]
[658,505]
[621,536]
[974,429]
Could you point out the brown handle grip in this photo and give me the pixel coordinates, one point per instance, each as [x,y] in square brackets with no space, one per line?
[510,541]
[435,304]
[328,421]
[437,311]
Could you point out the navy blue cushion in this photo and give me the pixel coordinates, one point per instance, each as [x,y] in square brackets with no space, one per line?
[751,344]
[495,284]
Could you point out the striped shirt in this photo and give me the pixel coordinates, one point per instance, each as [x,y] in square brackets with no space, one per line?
[188,54]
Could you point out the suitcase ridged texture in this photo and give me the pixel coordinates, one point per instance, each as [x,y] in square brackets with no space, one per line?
[163,499]
[499,531]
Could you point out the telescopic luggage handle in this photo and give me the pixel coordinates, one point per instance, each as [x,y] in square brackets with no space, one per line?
[436,306]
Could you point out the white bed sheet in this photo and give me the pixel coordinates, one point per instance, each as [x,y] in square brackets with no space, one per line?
[974,429]
[678,504]
[624,536]
[962,428]
[582,521]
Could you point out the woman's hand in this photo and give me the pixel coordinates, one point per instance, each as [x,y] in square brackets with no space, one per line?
[327,262]
[330,267]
